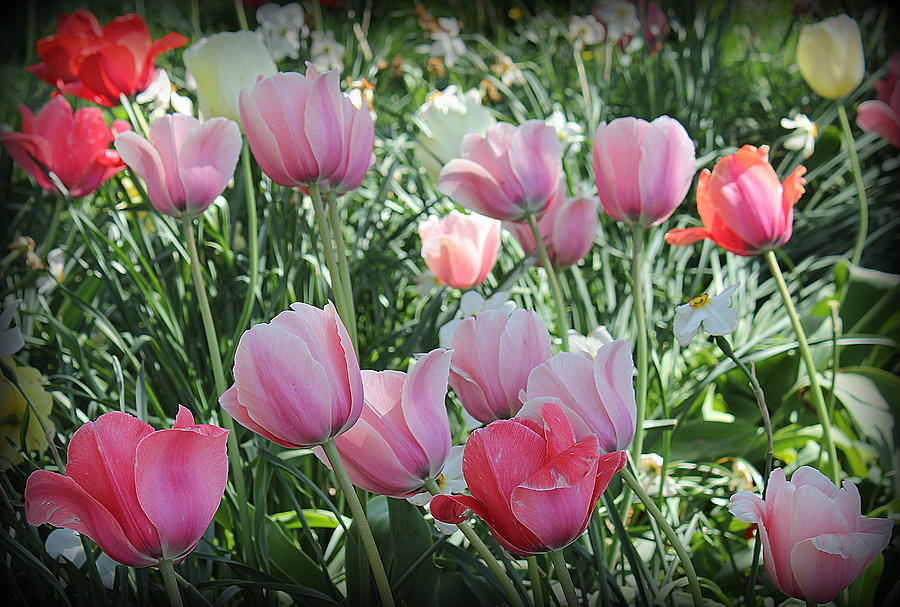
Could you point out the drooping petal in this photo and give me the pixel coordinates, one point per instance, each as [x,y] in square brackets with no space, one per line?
[423,406]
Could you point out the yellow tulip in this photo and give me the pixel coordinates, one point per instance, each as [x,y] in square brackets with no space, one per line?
[12,411]
[222,65]
[830,55]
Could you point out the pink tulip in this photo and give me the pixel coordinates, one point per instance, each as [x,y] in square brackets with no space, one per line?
[597,393]
[535,485]
[460,249]
[815,543]
[142,495]
[882,116]
[186,163]
[402,438]
[303,130]
[643,169]
[74,146]
[493,353]
[296,378]
[507,173]
[568,227]
[743,206]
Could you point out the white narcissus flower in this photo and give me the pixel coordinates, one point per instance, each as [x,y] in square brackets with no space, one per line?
[568,132]
[281,28]
[620,18]
[65,544]
[586,30]
[506,69]
[472,304]
[445,42]
[590,343]
[11,340]
[714,313]
[161,95]
[450,481]
[56,265]
[327,53]
[804,135]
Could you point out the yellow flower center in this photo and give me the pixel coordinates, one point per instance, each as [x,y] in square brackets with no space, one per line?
[699,302]
[441,481]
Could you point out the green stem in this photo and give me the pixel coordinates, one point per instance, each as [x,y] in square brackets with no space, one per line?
[562,325]
[241,15]
[342,255]
[252,237]
[212,342]
[565,580]
[640,320]
[819,400]
[167,568]
[134,116]
[669,532]
[534,574]
[331,255]
[47,243]
[485,553]
[366,539]
[860,187]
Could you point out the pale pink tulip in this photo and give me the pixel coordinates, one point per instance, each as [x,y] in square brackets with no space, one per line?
[507,173]
[882,116]
[402,438]
[815,543]
[643,169]
[296,379]
[303,130]
[460,249]
[568,227]
[743,206]
[596,392]
[142,495]
[186,163]
[493,353]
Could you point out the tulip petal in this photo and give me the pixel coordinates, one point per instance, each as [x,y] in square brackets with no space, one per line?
[665,169]
[143,158]
[614,381]
[535,158]
[525,335]
[59,500]
[423,406]
[229,401]
[878,117]
[470,185]
[686,236]
[822,575]
[323,122]
[207,161]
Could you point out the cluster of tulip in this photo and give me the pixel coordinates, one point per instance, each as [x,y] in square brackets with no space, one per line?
[557,426]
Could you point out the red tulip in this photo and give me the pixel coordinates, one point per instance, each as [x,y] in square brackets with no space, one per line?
[142,495]
[73,146]
[100,63]
[534,486]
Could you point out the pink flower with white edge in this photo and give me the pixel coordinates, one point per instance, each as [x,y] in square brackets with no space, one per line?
[815,542]
[142,495]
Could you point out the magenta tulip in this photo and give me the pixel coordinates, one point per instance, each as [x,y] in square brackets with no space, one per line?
[296,378]
[142,495]
[643,169]
[535,485]
[597,393]
[882,115]
[460,249]
[568,227]
[186,163]
[493,353]
[815,543]
[507,173]
[303,130]
[402,438]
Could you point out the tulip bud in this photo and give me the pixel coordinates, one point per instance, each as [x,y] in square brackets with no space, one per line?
[568,227]
[830,55]
[224,64]
[460,249]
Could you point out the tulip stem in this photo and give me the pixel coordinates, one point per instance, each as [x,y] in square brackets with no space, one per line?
[252,237]
[562,323]
[342,255]
[212,342]
[366,539]
[683,556]
[534,574]
[167,568]
[565,580]
[485,553]
[640,321]
[860,187]
[241,15]
[819,400]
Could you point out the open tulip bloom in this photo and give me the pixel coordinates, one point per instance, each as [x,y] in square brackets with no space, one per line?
[144,496]
[460,249]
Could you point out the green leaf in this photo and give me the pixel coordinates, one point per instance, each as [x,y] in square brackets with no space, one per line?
[862,591]
[872,396]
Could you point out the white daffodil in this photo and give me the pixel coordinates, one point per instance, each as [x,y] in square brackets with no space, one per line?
[568,132]
[804,135]
[327,53]
[161,95]
[620,18]
[714,313]
[473,304]
[445,42]
[65,545]
[507,71]
[56,266]
[281,28]
[649,472]
[450,481]
[586,30]
[591,343]
[11,340]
